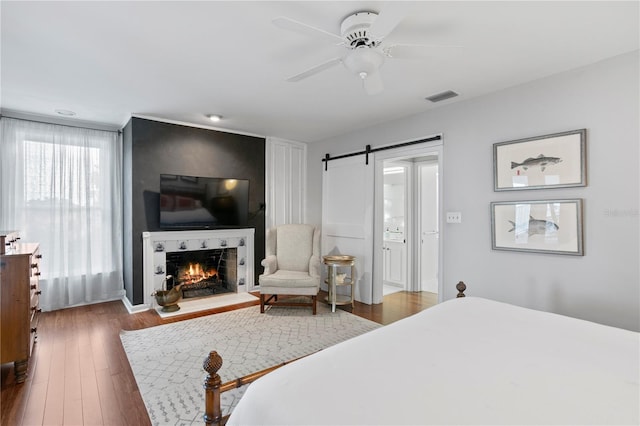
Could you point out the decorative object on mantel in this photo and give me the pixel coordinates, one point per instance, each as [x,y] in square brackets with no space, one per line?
[550,161]
[547,226]
[168,299]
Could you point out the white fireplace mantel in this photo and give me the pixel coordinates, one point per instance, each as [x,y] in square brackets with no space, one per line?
[156,245]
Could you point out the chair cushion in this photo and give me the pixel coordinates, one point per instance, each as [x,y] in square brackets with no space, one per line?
[294,247]
[288,279]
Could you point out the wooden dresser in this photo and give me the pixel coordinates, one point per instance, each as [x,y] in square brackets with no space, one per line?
[8,240]
[20,307]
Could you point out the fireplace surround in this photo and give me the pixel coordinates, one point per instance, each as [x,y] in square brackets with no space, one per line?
[212,246]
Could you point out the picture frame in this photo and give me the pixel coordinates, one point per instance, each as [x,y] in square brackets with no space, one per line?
[541,226]
[551,161]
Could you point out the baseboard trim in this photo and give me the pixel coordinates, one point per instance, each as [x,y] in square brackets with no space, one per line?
[77,305]
[134,309]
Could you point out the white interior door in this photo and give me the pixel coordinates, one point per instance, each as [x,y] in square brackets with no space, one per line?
[396,198]
[429,232]
[347,217]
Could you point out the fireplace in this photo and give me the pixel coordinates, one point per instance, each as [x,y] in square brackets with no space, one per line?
[206,262]
[203,272]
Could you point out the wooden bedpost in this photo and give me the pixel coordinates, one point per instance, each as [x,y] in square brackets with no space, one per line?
[212,411]
[461,287]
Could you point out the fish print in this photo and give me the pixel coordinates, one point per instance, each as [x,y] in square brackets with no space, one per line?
[536,226]
[540,160]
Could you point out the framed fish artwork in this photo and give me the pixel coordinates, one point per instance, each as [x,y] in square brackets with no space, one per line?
[548,226]
[550,161]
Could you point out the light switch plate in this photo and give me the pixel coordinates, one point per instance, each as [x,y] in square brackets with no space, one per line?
[454,217]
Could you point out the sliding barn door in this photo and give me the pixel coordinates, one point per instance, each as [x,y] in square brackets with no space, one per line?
[347,217]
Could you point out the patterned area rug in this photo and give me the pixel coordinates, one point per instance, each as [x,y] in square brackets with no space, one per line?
[167,359]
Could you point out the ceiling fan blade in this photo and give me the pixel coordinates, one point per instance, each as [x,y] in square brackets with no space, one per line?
[389,18]
[315,70]
[373,83]
[419,51]
[293,25]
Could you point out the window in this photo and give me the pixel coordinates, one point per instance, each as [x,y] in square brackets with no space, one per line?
[61,187]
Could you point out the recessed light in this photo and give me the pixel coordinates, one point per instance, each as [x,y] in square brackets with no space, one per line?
[65,112]
[214,117]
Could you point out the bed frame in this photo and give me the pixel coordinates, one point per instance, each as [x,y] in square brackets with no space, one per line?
[213,385]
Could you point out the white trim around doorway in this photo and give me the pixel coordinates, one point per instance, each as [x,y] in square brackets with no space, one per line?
[404,153]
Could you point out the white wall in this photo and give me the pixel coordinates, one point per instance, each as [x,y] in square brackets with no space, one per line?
[601,286]
[285,172]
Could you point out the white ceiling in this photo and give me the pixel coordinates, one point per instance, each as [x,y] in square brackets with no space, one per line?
[181,60]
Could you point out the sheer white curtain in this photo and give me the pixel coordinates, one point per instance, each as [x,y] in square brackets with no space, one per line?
[61,186]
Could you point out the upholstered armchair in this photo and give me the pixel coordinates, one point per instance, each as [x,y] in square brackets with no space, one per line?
[291,266]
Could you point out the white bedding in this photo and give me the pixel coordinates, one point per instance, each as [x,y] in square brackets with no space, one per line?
[465,361]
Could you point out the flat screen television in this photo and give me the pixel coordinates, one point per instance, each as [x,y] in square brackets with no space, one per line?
[196,202]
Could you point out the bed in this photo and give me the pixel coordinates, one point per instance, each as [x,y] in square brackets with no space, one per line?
[464,361]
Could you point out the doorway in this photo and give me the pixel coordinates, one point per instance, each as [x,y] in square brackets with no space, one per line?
[394,265]
[407,240]
[428,222]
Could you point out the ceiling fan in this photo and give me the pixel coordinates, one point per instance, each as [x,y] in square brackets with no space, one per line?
[362,34]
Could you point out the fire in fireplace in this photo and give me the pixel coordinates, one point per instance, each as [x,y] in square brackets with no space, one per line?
[203,272]
[195,273]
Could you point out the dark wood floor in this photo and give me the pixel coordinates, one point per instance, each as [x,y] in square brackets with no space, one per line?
[79,373]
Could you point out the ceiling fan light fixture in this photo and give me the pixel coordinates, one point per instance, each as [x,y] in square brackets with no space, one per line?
[363,34]
[364,61]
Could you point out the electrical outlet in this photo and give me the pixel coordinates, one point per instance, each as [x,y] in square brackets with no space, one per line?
[454,217]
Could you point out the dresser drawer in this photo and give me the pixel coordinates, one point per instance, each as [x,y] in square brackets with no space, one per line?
[8,240]
[34,266]
[35,303]
[34,312]
[33,330]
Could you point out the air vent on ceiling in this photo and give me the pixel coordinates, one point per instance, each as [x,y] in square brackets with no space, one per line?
[442,96]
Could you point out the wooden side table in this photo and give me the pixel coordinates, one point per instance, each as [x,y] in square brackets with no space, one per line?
[334,262]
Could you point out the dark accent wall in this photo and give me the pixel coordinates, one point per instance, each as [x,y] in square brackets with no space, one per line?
[152,148]
[127,230]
